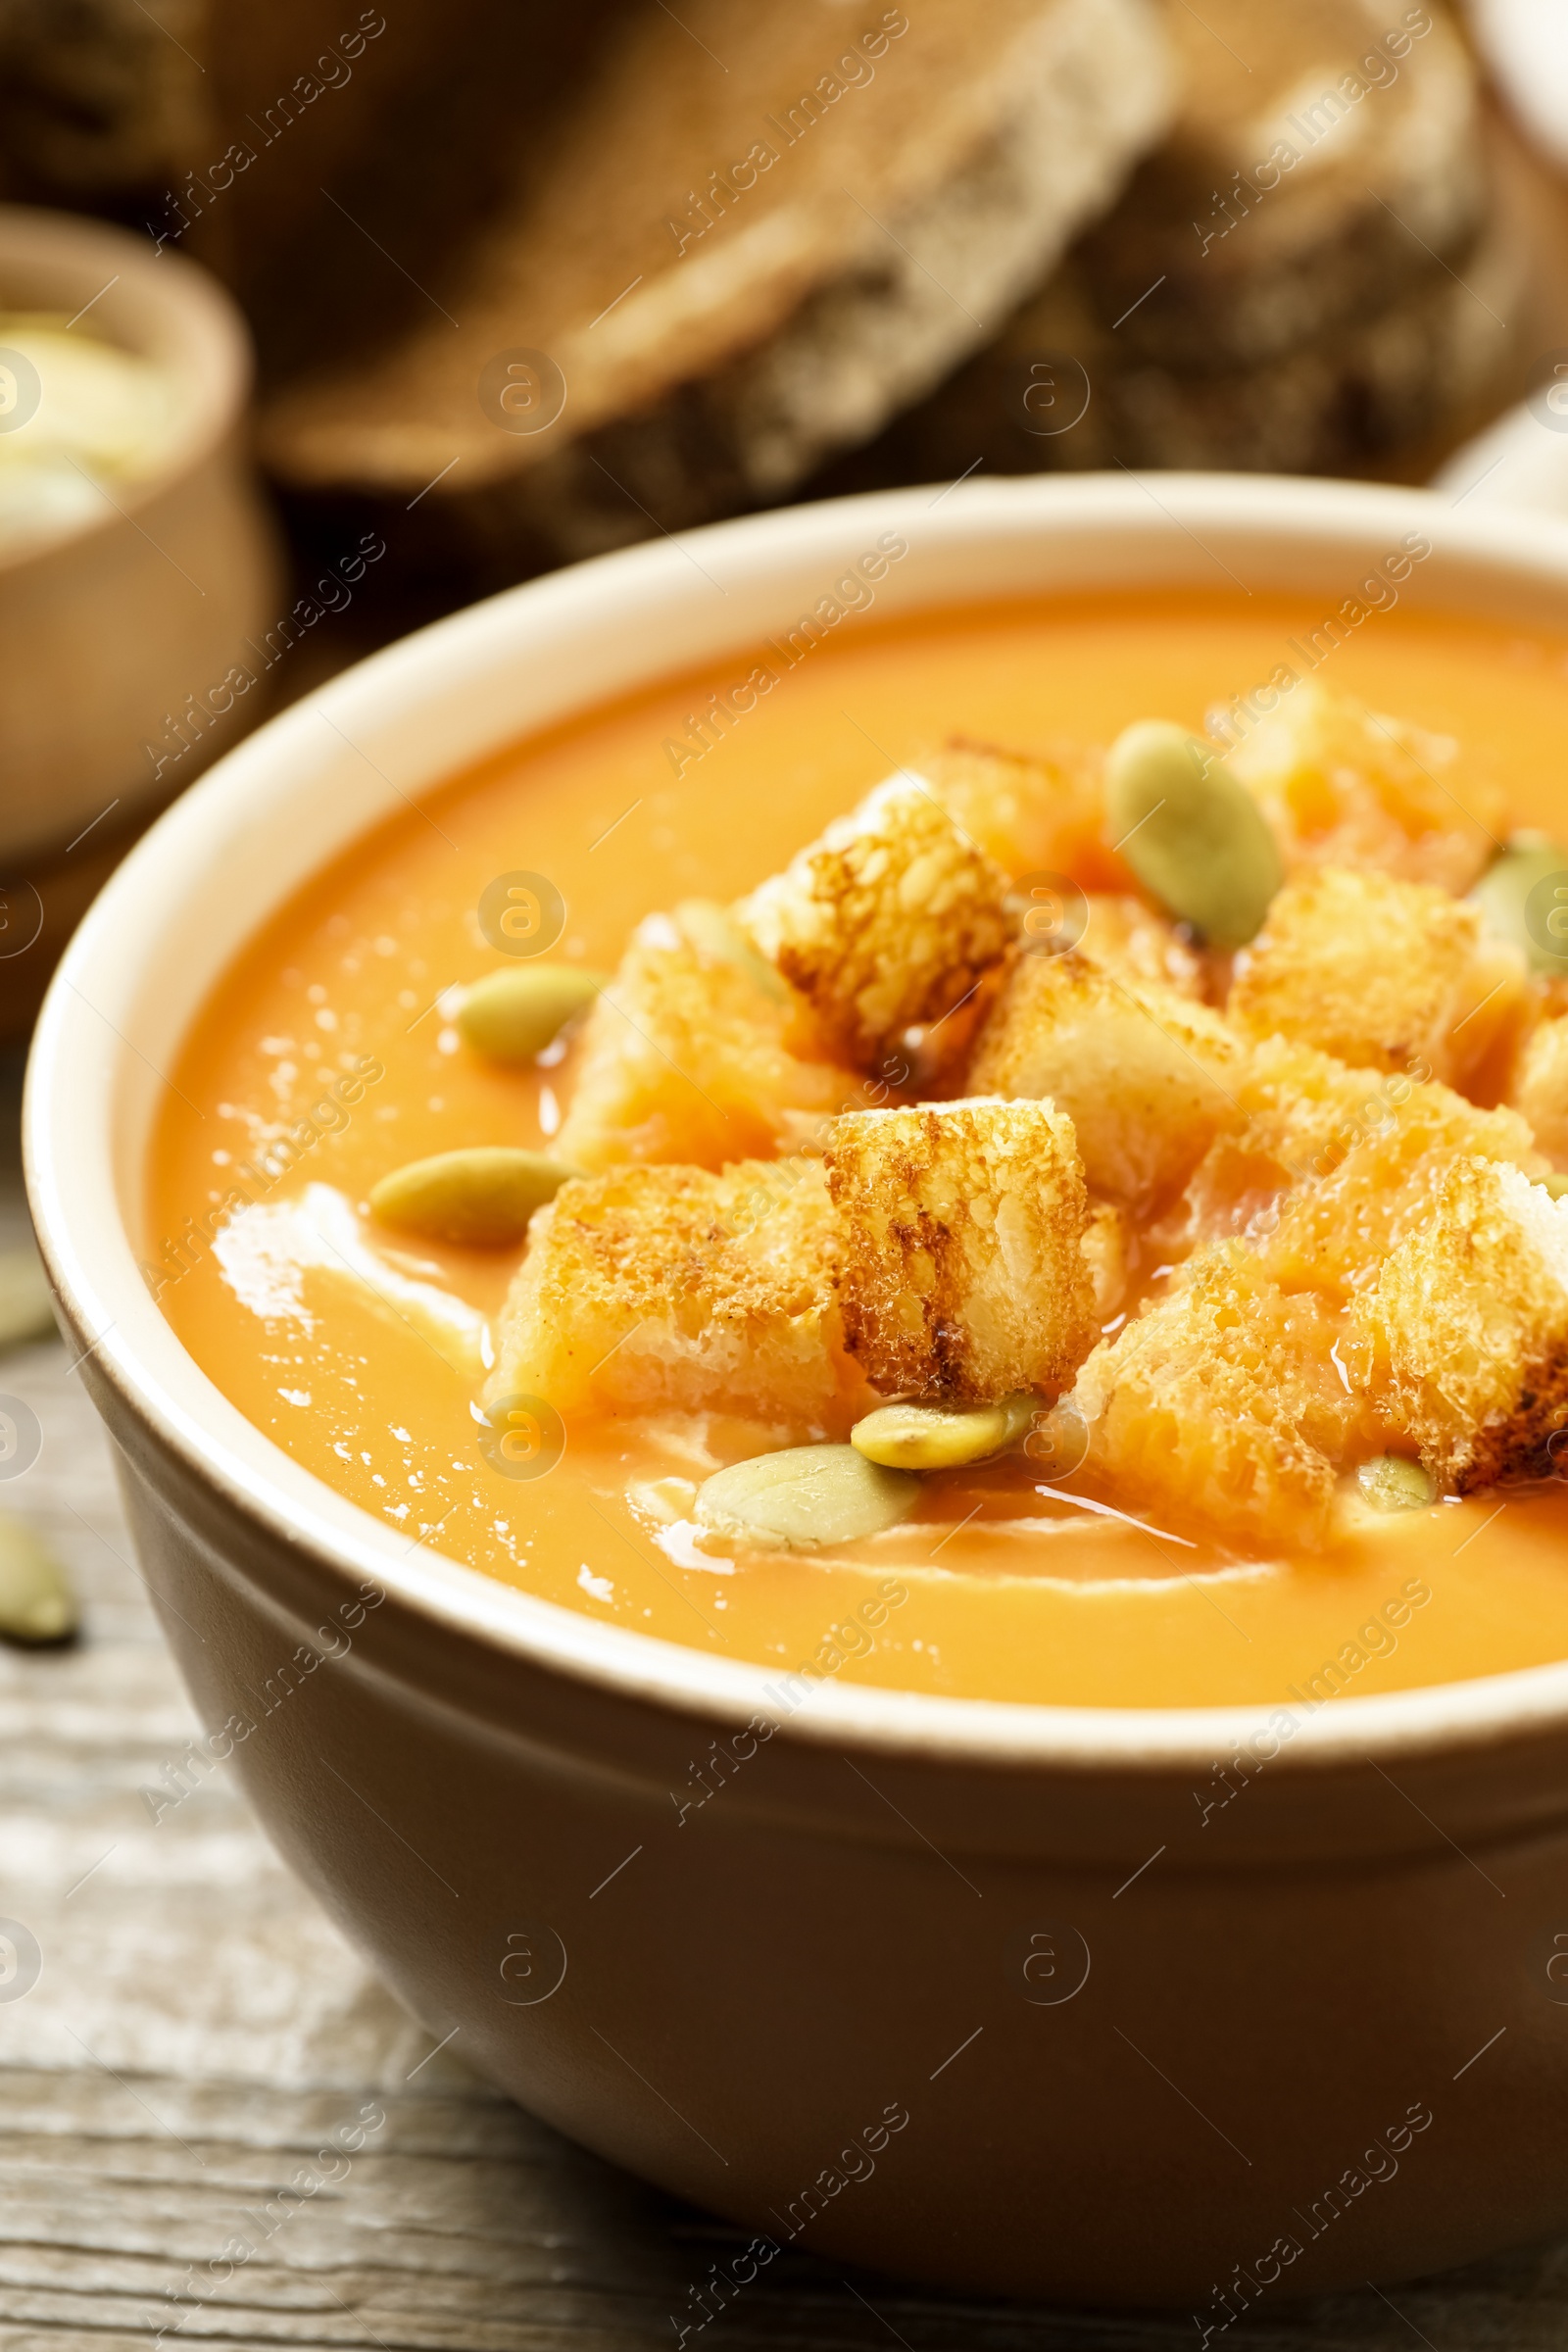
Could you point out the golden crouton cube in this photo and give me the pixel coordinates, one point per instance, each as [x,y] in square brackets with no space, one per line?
[1360,1155]
[963,1272]
[1312,1112]
[1462,1342]
[695,1055]
[889,922]
[1342,786]
[1107,1248]
[1038,813]
[1125,937]
[651,1289]
[1146,1076]
[1221,1406]
[1539,1089]
[1381,973]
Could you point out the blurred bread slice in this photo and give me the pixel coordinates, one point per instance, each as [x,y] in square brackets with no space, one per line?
[1381,181]
[97,99]
[757,233]
[1367,392]
[1240,311]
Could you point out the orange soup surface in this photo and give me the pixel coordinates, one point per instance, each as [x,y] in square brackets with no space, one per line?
[362,1351]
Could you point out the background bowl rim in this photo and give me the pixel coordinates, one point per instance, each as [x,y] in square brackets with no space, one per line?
[252,1477]
[212,339]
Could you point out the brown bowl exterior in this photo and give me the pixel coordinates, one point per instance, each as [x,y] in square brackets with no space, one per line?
[1051,2032]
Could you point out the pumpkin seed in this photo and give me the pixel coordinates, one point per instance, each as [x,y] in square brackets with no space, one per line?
[806,1496]
[511,1015]
[1391,1482]
[715,933]
[1556,1185]
[483,1196]
[1517,896]
[938,1437]
[26,1308]
[1190,833]
[36,1605]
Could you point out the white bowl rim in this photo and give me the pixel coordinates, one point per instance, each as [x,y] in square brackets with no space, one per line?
[188,1414]
[198,316]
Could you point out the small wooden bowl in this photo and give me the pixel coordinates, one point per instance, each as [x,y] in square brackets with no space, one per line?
[120,636]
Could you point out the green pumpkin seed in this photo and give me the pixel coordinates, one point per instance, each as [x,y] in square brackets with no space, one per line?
[939,1436]
[1391,1482]
[482,1197]
[1517,896]
[36,1603]
[26,1307]
[806,1496]
[715,933]
[511,1015]
[1189,832]
[1556,1185]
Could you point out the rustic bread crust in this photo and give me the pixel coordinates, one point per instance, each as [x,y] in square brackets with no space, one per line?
[1147,1076]
[1539,1088]
[1379,972]
[962,1276]
[1463,1339]
[685,1056]
[892,921]
[1342,785]
[651,1289]
[733,316]
[1221,1404]
[1032,811]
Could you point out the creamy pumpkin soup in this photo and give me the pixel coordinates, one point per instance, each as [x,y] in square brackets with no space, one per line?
[1014,1153]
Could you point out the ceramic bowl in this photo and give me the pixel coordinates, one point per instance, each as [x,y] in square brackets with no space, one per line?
[964,1991]
[119,634]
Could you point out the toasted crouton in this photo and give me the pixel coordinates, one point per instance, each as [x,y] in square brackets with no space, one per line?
[1342,786]
[665,1287]
[1107,1248]
[1222,1404]
[1313,1112]
[963,1276]
[1464,1340]
[691,1055]
[1147,1077]
[1539,1089]
[1381,973]
[1033,813]
[1124,936]
[1360,1154]
[889,922]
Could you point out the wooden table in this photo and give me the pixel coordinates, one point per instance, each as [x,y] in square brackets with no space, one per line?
[197,2029]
